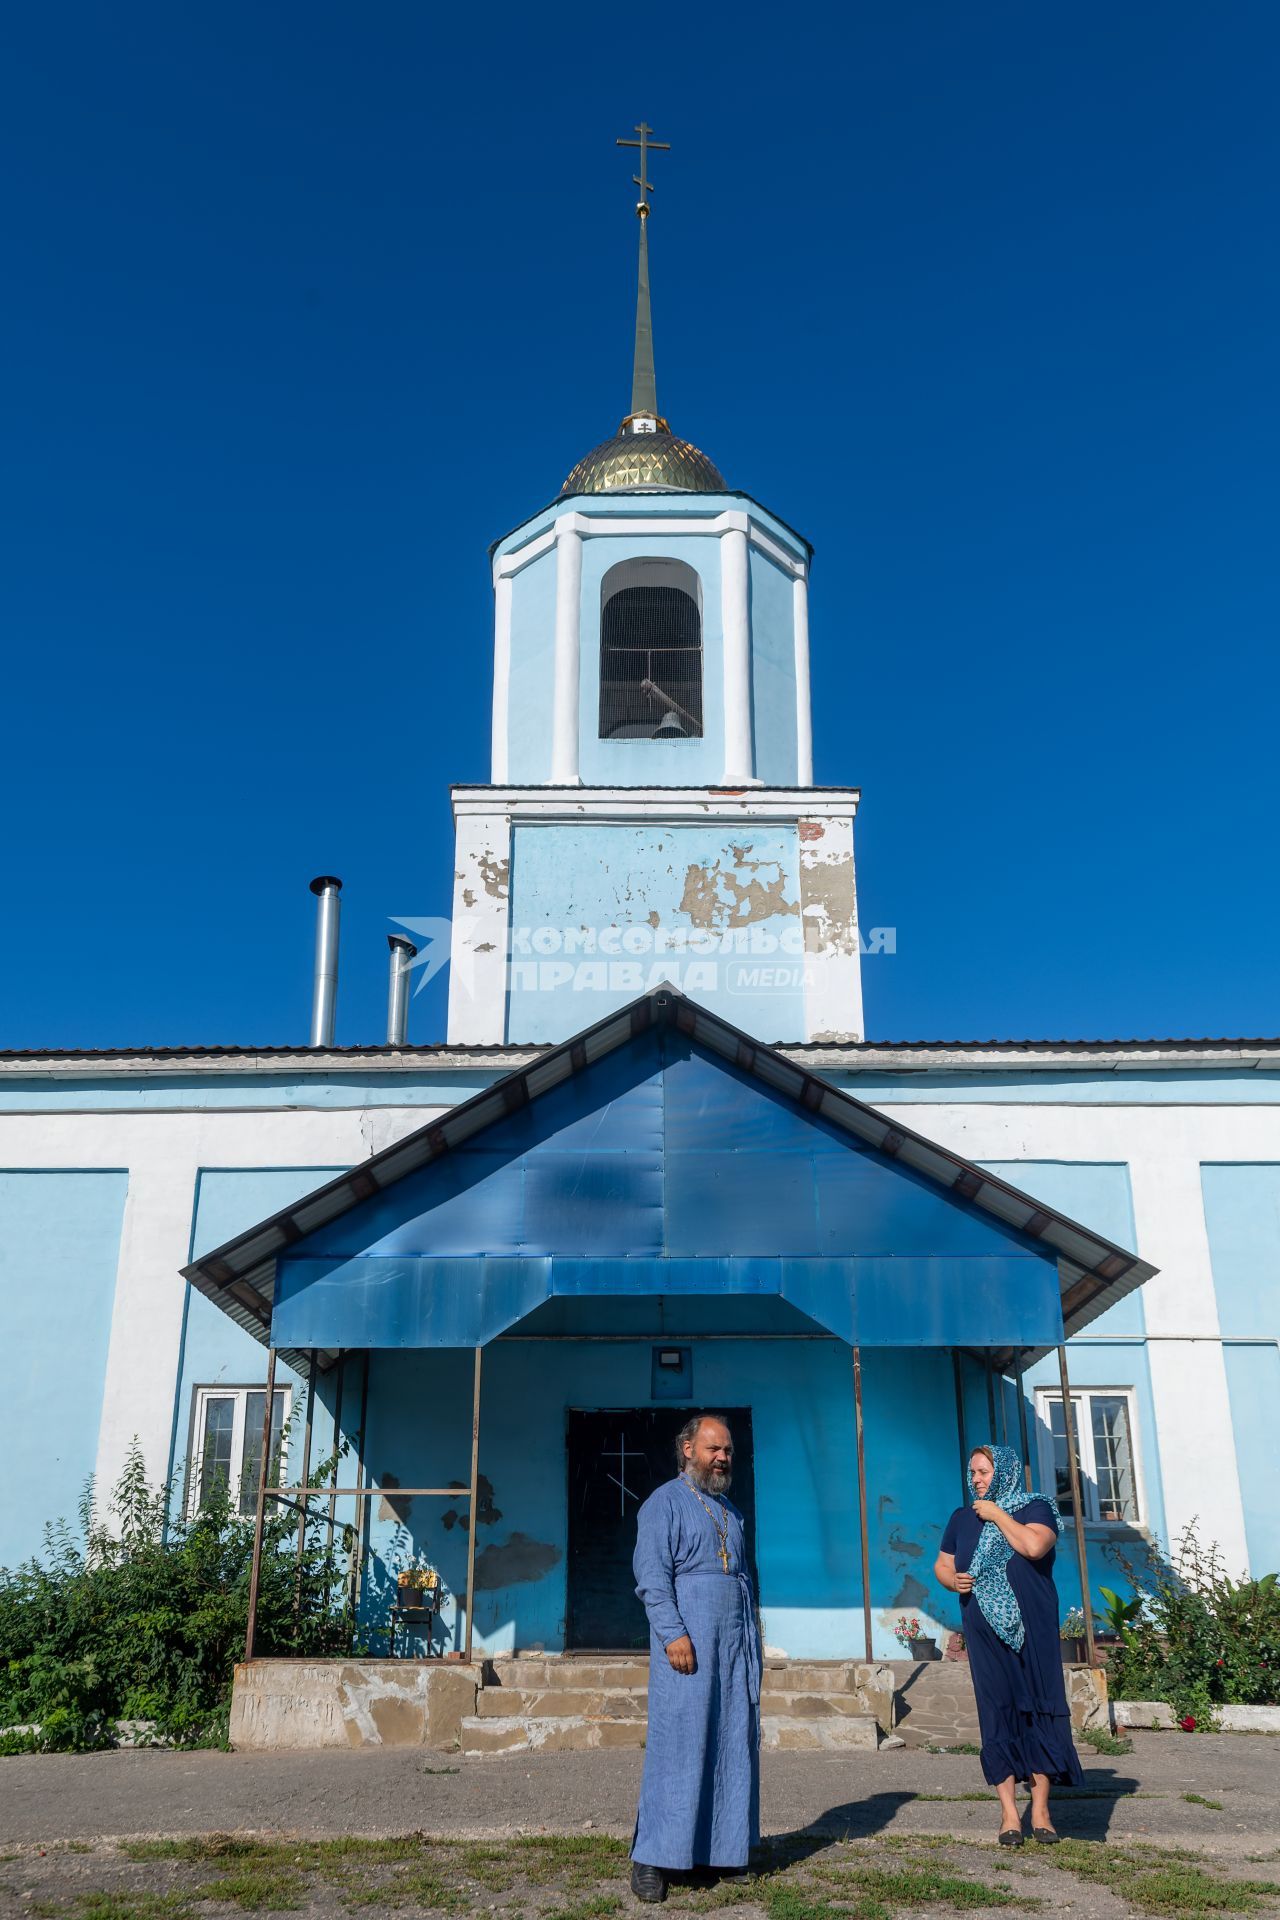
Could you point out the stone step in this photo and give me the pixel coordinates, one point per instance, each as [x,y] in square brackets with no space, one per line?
[563,1733]
[543,1671]
[828,1733]
[561,1703]
[812,1676]
[558,1734]
[814,1706]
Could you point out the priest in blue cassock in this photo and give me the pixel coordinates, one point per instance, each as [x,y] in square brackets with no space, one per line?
[700,1797]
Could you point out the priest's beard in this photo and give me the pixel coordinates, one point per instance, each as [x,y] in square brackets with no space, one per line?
[710,1479]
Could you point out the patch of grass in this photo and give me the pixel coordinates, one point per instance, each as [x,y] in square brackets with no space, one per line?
[879,1893]
[1198,1800]
[116,1906]
[594,1909]
[1103,1742]
[256,1889]
[1159,1881]
[439,1769]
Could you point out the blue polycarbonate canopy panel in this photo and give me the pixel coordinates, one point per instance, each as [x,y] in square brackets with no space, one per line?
[661,1169]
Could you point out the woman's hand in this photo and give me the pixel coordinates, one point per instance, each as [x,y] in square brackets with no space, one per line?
[963,1582]
[988,1510]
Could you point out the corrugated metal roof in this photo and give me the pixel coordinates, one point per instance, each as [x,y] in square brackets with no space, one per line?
[1094,1273]
[425,1050]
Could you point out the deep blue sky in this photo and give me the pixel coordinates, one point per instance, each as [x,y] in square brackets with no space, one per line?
[307,304]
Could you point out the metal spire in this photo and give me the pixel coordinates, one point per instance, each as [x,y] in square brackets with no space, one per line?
[644,386]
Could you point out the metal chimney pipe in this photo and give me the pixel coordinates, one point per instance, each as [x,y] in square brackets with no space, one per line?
[324,996]
[403,953]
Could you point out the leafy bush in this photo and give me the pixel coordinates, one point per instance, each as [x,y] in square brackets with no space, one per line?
[145,1619]
[1199,1640]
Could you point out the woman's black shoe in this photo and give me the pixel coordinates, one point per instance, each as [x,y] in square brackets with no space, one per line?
[1045,1835]
[648,1883]
[1011,1837]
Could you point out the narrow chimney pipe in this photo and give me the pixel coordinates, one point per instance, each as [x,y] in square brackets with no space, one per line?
[403,954]
[324,994]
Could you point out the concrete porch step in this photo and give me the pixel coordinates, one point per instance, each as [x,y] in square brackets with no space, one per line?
[561,1703]
[560,1733]
[566,1733]
[561,1674]
[827,1733]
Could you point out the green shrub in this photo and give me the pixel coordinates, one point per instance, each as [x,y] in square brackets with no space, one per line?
[1200,1640]
[145,1618]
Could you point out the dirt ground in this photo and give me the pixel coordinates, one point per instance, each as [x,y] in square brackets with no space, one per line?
[1183,1825]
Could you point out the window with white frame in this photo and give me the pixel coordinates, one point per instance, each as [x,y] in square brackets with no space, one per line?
[1103,1429]
[226,1443]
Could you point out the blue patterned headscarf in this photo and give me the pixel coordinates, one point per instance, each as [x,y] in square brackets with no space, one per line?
[990,1563]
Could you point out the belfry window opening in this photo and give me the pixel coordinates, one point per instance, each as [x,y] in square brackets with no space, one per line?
[651,651]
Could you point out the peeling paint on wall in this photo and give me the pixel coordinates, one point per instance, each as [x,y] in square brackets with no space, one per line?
[720,895]
[488,1513]
[512,1562]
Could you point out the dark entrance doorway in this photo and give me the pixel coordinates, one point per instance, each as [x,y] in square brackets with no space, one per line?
[616,1459]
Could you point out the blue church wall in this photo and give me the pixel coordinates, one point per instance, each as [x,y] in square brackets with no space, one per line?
[532,675]
[1097,1193]
[59,1250]
[801,1399]
[429,1087]
[663,763]
[1242,1215]
[1242,1087]
[736,906]
[773,672]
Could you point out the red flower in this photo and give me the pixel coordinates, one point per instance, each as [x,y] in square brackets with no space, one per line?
[1221,1663]
[1188,1723]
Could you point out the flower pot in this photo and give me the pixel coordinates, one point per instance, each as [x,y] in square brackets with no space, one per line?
[925,1649]
[955,1648]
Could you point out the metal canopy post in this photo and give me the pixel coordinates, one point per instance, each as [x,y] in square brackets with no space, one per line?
[864,1535]
[964,1451]
[255,1572]
[991,1396]
[303,1505]
[337,1451]
[1073,1470]
[355,1569]
[1022,1425]
[475,1501]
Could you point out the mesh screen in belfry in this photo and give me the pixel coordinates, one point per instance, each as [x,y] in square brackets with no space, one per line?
[650,665]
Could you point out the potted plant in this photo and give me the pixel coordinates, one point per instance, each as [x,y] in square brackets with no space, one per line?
[1071,1634]
[920,1646]
[418,1585]
[955,1648]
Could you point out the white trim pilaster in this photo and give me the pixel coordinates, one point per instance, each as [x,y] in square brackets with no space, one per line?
[502,591]
[804,708]
[568,654]
[829,919]
[735,620]
[480,931]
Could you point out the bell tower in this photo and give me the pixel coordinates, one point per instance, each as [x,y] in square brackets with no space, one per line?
[651,813]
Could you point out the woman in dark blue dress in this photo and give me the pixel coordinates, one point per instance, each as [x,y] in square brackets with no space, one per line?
[998,1556]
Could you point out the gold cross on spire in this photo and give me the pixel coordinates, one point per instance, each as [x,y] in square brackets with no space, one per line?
[646,146]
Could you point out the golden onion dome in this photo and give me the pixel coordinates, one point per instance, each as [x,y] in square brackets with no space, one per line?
[644,453]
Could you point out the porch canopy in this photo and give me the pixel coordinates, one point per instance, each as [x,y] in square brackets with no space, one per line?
[663,1153]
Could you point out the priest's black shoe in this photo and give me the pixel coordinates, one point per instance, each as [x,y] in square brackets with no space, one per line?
[648,1883]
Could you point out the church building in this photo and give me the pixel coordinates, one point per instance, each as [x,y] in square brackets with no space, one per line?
[654,1166]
